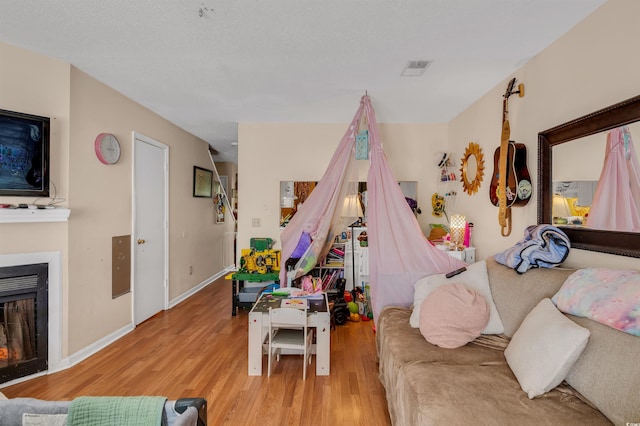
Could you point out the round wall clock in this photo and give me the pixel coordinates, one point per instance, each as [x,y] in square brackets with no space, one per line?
[107,148]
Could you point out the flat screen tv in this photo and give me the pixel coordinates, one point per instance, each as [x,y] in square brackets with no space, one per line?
[24,154]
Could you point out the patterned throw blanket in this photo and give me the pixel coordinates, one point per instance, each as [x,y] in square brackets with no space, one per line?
[112,411]
[543,246]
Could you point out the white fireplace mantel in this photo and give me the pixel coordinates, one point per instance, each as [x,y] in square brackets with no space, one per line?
[59,214]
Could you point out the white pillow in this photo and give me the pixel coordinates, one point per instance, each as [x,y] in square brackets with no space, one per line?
[475,277]
[544,348]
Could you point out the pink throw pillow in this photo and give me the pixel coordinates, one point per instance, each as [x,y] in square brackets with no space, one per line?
[453,315]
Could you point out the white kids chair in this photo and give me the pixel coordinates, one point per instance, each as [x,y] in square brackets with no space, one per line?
[288,329]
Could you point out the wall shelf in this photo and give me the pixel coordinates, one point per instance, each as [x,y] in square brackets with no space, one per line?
[59,214]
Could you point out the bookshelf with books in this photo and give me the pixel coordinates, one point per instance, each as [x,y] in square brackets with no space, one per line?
[331,268]
[347,258]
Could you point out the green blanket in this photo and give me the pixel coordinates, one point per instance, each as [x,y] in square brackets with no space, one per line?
[116,411]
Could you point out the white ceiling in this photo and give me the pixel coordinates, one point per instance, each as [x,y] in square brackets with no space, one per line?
[207,65]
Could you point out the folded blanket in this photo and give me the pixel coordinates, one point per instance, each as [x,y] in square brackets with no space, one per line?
[115,411]
[543,246]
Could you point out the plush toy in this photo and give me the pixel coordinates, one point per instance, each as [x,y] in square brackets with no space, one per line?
[302,246]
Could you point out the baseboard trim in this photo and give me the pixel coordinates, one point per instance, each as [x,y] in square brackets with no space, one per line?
[97,346]
[193,290]
[77,357]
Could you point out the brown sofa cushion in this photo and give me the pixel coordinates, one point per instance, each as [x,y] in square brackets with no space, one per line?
[471,384]
[442,394]
[516,294]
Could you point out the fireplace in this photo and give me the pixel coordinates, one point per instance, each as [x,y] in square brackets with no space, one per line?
[23,320]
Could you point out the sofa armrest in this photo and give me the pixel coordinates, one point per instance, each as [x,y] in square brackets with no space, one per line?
[200,404]
[11,410]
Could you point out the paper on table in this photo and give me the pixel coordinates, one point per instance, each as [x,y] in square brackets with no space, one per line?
[294,303]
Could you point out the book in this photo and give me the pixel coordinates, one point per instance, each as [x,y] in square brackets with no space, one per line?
[294,303]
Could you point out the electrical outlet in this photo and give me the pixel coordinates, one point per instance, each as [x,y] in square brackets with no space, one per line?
[255,222]
[190,270]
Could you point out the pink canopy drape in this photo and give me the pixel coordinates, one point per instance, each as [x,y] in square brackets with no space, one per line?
[616,203]
[399,253]
[323,214]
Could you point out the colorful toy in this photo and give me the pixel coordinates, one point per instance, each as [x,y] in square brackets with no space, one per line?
[259,261]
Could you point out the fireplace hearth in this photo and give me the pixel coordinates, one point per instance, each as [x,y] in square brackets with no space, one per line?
[23,320]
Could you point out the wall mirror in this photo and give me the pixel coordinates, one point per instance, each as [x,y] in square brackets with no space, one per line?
[295,193]
[565,154]
[472,169]
[292,195]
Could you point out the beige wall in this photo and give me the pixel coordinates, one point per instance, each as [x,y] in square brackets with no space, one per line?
[39,85]
[270,153]
[592,66]
[99,196]
[589,68]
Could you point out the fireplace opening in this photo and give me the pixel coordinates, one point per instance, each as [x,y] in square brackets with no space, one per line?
[23,320]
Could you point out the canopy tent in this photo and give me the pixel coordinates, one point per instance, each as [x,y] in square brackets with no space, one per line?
[616,202]
[399,253]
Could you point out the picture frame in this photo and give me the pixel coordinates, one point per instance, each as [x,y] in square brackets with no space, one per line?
[202,182]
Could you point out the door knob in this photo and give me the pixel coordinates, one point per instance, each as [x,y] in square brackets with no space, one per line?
[141,241]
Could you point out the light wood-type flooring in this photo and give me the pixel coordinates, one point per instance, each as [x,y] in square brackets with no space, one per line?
[197,349]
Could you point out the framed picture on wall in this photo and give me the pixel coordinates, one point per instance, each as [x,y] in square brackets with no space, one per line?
[202,182]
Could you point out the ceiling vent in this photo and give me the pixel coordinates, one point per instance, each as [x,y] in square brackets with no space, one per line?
[415,68]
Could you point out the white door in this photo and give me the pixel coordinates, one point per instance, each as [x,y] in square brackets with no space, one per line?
[150,224]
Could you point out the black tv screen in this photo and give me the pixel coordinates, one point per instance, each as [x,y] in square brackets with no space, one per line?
[24,154]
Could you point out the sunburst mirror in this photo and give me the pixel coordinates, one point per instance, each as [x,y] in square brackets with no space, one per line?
[472,169]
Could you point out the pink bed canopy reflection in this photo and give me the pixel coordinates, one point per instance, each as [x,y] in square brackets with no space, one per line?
[616,203]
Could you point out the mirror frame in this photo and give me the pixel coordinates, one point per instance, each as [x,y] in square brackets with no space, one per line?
[471,186]
[604,241]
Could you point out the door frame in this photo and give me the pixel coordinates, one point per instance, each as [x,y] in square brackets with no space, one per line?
[135,136]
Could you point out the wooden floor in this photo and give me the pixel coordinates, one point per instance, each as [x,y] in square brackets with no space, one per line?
[197,349]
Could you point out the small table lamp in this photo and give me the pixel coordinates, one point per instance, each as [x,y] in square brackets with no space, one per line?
[456,230]
[560,210]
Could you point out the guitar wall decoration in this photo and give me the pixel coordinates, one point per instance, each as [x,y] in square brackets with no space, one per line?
[511,182]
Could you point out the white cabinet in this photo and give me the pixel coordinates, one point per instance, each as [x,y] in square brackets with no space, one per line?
[468,255]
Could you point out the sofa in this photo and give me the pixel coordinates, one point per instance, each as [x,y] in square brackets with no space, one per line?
[427,384]
[181,412]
